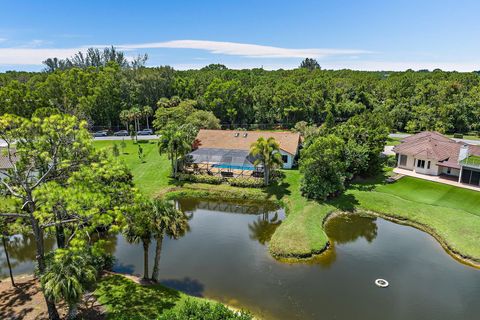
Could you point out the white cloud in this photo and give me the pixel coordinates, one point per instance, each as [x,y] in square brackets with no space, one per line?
[465,66]
[267,56]
[243,49]
[32,56]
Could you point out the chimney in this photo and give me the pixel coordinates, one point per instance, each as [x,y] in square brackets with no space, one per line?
[463,154]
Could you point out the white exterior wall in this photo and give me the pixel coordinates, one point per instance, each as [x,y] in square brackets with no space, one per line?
[453,172]
[433,171]
[412,165]
[289,163]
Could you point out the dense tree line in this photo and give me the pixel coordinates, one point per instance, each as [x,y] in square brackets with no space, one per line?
[98,92]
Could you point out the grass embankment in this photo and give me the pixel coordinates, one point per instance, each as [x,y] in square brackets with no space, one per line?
[449,213]
[125,299]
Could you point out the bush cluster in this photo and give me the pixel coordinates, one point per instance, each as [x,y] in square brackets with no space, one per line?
[200,178]
[458,136]
[193,310]
[246,182]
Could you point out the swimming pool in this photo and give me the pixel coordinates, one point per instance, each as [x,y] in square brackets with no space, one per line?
[232,166]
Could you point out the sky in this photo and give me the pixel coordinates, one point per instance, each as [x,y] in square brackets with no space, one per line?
[188,34]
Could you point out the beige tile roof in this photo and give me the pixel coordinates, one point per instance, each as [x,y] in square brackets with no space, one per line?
[232,139]
[429,145]
[4,159]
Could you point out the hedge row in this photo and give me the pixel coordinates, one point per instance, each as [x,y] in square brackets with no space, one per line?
[235,182]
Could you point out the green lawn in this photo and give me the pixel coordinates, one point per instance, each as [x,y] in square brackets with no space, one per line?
[393,141]
[151,175]
[125,299]
[473,160]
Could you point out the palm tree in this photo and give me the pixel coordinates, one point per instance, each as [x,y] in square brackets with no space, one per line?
[147,112]
[139,229]
[125,118]
[66,278]
[266,153]
[136,114]
[176,142]
[167,220]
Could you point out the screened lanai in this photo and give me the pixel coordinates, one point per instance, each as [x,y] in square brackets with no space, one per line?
[225,162]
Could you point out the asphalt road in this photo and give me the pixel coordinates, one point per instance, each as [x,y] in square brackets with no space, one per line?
[114,138]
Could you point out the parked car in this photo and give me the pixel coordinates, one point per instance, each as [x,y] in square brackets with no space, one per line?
[121,133]
[102,133]
[145,132]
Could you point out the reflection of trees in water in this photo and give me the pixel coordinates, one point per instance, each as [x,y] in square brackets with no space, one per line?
[21,249]
[349,227]
[245,207]
[263,228]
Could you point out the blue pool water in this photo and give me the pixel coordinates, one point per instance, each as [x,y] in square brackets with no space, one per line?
[231,166]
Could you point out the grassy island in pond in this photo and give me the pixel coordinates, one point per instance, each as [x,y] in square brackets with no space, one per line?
[448,213]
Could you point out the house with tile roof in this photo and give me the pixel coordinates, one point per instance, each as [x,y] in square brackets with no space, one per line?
[431,153]
[228,151]
[6,162]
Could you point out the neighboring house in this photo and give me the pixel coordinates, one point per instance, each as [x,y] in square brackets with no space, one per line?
[230,149]
[431,153]
[5,163]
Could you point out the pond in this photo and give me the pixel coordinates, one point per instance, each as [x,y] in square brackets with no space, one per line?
[225,257]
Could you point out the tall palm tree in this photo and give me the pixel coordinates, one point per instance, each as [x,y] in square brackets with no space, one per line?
[147,112]
[125,118]
[167,220]
[139,229]
[136,114]
[66,278]
[176,142]
[266,153]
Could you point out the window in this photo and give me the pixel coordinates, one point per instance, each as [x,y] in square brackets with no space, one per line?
[284,158]
[428,165]
[403,160]
[449,171]
[421,164]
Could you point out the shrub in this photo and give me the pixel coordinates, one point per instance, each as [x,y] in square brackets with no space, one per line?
[391,161]
[458,136]
[193,310]
[246,182]
[200,178]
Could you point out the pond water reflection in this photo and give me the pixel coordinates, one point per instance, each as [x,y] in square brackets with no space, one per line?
[224,256]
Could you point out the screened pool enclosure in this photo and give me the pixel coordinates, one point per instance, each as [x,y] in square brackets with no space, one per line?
[224,162]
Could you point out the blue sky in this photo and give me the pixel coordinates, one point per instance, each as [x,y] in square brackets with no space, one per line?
[363,35]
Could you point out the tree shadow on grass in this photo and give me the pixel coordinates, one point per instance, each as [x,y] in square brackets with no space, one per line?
[278,189]
[189,286]
[124,298]
[344,202]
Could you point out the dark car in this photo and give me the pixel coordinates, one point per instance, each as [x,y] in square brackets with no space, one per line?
[121,133]
[145,132]
[100,133]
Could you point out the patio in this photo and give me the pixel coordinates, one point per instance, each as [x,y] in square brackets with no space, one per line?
[228,163]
